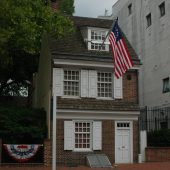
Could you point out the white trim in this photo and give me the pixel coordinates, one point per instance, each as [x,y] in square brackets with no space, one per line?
[87,64]
[99,112]
[97,115]
[131,137]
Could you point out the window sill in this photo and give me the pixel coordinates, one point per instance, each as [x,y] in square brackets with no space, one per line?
[70,97]
[82,150]
[104,98]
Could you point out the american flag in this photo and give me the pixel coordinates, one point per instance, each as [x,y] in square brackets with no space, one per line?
[122,58]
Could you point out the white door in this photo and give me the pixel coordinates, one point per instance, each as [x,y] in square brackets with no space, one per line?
[123,142]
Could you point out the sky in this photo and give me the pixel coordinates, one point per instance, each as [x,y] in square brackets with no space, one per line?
[93,8]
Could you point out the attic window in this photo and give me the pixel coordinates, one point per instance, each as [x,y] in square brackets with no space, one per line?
[97,38]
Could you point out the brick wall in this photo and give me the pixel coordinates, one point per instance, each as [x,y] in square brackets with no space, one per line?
[135,141]
[47,152]
[130,87]
[157,154]
[70,158]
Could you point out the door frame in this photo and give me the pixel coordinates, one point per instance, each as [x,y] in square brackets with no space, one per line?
[131,138]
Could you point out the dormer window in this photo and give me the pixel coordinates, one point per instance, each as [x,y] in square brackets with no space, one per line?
[97,37]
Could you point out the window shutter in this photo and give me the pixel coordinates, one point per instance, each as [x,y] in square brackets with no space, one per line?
[93,83]
[118,89]
[68,135]
[58,75]
[84,83]
[97,135]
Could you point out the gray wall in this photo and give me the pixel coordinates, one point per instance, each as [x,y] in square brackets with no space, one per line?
[152,45]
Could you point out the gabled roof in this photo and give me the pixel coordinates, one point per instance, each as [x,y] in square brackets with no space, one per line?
[73,46]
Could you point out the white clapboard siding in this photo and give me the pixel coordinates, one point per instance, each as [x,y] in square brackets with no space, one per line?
[93,83]
[118,88]
[68,135]
[58,75]
[97,135]
[84,83]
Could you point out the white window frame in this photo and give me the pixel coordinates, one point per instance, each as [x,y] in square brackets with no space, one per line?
[104,83]
[90,143]
[98,41]
[72,81]
[95,136]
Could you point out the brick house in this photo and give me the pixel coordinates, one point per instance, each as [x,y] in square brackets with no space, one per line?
[96,113]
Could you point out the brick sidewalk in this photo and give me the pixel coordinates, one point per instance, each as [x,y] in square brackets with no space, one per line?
[143,166]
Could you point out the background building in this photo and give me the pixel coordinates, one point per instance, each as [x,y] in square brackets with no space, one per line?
[146,23]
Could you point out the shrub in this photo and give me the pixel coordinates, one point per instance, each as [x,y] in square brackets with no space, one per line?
[159,138]
[22,125]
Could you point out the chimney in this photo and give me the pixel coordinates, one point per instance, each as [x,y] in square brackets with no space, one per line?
[54,5]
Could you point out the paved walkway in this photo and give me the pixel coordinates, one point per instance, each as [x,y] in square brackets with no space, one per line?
[143,166]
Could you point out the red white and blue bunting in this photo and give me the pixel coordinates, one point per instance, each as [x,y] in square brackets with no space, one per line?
[22,152]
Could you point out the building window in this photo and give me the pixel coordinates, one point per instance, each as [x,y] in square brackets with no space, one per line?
[130,9]
[149,20]
[97,38]
[166,85]
[71,83]
[104,84]
[162,9]
[82,135]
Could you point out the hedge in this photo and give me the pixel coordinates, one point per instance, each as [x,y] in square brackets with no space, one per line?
[22,125]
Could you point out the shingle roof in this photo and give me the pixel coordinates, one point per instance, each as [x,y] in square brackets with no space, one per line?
[74,47]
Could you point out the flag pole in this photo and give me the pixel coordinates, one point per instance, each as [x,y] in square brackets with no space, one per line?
[54,131]
[106,36]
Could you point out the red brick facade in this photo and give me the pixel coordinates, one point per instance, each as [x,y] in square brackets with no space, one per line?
[157,154]
[70,158]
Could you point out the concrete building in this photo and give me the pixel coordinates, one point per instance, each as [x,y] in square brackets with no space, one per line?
[146,23]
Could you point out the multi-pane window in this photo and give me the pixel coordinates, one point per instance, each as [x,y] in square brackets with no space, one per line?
[71,83]
[82,135]
[149,20]
[130,9]
[166,85]
[123,125]
[97,38]
[104,84]
[97,46]
[162,9]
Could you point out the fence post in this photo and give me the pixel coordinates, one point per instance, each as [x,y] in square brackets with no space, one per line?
[143,143]
[146,118]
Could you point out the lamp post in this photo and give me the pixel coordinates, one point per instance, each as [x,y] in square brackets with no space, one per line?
[54,131]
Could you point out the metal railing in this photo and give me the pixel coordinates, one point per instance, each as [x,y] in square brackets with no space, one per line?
[154,118]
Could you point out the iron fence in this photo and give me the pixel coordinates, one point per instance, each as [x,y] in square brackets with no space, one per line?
[154,118]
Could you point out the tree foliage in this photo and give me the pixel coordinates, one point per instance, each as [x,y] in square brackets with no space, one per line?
[66,6]
[22,125]
[22,24]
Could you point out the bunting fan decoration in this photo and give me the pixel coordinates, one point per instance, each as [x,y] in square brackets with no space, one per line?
[22,152]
